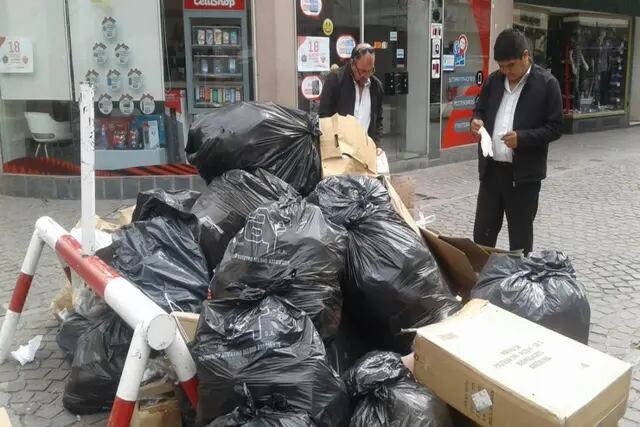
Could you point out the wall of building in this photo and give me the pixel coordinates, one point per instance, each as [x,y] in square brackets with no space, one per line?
[634,109]
[275,51]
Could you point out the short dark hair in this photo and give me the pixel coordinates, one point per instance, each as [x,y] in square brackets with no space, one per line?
[509,45]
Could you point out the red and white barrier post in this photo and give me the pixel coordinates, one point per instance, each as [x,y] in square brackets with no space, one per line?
[23,284]
[135,308]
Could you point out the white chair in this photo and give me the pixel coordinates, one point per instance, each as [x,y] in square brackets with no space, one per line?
[45,130]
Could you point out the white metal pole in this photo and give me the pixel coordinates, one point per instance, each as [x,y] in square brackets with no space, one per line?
[362,21]
[87,169]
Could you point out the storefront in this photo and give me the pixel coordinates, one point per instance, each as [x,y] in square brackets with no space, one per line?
[591,55]
[155,65]
[431,57]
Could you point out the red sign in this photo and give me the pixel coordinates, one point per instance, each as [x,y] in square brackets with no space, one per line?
[214,4]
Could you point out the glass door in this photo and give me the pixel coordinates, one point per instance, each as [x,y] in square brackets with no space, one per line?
[386,29]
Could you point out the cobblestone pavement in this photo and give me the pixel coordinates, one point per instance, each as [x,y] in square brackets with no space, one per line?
[589,208]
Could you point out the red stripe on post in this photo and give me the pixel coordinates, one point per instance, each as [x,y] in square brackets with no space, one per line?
[121,413]
[20,293]
[190,388]
[95,272]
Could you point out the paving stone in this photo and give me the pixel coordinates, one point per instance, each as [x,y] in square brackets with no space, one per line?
[27,408]
[64,418]
[49,411]
[34,374]
[45,397]
[21,396]
[52,363]
[37,385]
[35,421]
[13,386]
[57,375]
[9,376]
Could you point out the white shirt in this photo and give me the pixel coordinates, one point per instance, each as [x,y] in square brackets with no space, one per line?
[504,119]
[362,107]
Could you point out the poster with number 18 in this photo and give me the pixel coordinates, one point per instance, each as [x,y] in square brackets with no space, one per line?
[313,54]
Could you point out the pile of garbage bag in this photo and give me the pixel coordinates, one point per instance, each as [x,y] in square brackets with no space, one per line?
[263,341]
[306,304]
[541,288]
[252,135]
[392,281]
[384,393]
[289,242]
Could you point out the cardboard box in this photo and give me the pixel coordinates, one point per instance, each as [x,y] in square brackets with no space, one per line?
[157,406]
[460,259]
[345,147]
[502,370]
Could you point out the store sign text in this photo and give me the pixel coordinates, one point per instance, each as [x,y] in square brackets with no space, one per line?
[214,4]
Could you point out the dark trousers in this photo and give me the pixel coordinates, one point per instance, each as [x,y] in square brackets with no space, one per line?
[499,195]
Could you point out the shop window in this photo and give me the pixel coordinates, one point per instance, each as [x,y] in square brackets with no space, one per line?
[465,64]
[587,52]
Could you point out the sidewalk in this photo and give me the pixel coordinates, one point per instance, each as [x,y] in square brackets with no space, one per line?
[589,208]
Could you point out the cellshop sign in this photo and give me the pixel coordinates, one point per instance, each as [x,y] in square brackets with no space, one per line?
[214,4]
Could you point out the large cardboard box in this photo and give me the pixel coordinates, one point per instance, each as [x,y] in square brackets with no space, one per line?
[345,147]
[502,370]
[459,258]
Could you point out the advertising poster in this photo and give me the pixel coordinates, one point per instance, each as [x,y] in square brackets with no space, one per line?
[313,54]
[311,7]
[16,55]
[311,87]
[345,45]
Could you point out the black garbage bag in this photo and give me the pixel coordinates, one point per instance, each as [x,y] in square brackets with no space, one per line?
[251,135]
[385,394]
[541,288]
[276,412]
[348,346]
[70,331]
[223,208]
[165,203]
[290,242]
[162,258]
[266,343]
[97,366]
[392,281]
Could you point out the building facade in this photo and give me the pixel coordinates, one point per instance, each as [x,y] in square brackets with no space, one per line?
[158,64]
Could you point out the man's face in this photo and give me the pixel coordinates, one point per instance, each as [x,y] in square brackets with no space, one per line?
[514,69]
[363,68]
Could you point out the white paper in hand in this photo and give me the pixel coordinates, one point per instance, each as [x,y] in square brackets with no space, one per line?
[485,143]
[26,353]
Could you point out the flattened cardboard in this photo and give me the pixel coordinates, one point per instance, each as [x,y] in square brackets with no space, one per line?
[460,259]
[533,376]
[397,204]
[345,147]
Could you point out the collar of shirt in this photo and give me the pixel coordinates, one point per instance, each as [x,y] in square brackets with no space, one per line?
[366,85]
[520,83]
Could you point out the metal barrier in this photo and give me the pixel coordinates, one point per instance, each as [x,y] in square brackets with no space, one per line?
[153,327]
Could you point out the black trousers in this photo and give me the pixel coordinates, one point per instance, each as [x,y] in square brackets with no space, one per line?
[499,194]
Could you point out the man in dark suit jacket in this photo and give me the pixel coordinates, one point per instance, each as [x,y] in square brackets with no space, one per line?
[520,107]
[354,90]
